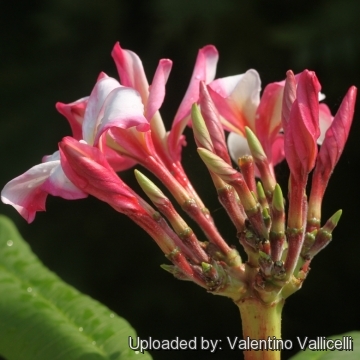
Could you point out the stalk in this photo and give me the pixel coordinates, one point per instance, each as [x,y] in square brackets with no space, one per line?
[261,321]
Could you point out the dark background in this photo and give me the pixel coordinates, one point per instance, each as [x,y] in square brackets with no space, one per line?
[53,50]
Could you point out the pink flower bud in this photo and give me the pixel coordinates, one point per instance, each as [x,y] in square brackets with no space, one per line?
[302,129]
[87,168]
[330,152]
[213,124]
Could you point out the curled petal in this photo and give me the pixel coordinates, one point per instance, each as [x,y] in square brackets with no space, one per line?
[337,134]
[131,71]
[27,193]
[101,91]
[157,88]
[204,70]
[237,98]
[74,113]
[122,108]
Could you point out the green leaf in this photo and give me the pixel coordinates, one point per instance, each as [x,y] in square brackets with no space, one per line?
[333,355]
[43,318]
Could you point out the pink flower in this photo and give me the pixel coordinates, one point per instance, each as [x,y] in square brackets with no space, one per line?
[204,70]
[27,193]
[238,101]
[109,105]
[168,145]
[302,125]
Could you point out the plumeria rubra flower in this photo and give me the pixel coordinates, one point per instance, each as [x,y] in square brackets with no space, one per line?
[238,101]
[168,145]
[119,124]
[109,105]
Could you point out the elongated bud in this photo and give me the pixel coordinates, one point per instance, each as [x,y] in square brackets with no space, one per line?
[88,169]
[302,129]
[277,232]
[261,195]
[256,149]
[201,133]
[333,221]
[230,201]
[278,199]
[229,175]
[261,162]
[190,245]
[330,152]
[213,123]
[180,262]
[324,235]
[246,165]
[150,189]
[288,98]
[218,166]
[235,179]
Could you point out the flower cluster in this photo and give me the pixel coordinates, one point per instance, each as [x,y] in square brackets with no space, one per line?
[119,125]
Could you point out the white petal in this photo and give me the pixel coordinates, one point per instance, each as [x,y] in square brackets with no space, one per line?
[226,85]
[237,146]
[123,108]
[96,100]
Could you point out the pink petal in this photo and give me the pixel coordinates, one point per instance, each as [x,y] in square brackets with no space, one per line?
[74,113]
[116,161]
[268,116]
[338,132]
[325,120]
[239,106]
[302,129]
[232,118]
[277,149]
[213,123]
[307,94]
[27,193]
[57,184]
[130,142]
[157,88]
[204,70]
[131,71]
[122,108]
[226,85]
[288,98]
[96,101]
[87,167]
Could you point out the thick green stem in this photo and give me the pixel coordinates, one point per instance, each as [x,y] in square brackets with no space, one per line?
[261,321]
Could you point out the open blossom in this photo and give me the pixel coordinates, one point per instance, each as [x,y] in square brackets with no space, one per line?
[116,119]
[109,105]
[238,101]
[168,144]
